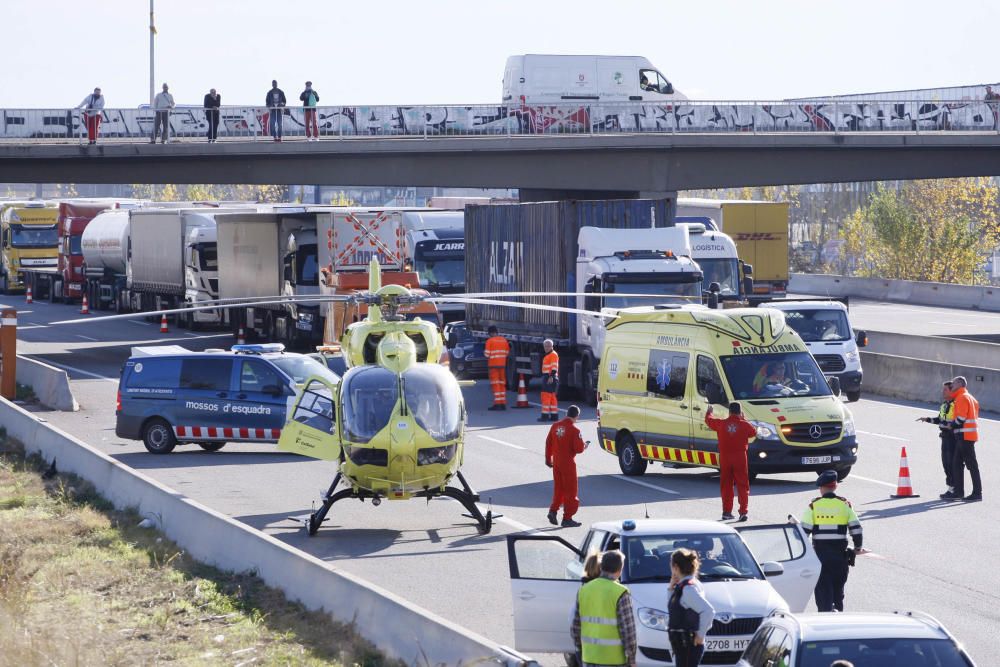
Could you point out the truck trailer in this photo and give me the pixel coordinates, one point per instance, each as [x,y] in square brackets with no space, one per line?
[593,249]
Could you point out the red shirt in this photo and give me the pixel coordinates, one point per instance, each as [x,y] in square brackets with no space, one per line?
[563,443]
[735,433]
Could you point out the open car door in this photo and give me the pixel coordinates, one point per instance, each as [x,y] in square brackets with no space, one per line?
[312,430]
[543,592]
[788,544]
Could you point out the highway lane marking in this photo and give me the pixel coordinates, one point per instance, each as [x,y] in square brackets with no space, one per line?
[648,485]
[883,435]
[80,371]
[922,409]
[21,327]
[873,481]
[145,324]
[500,442]
[86,337]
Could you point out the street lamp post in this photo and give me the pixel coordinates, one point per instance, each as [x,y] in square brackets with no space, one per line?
[152,58]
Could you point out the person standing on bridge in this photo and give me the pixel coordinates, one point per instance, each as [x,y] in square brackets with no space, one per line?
[162,104]
[497,350]
[93,106]
[213,101]
[993,102]
[966,430]
[309,98]
[734,433]
[275,102]
[550,382]
[562,445]
[944,418]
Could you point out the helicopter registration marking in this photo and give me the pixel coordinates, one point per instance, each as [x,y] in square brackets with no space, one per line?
[402,425]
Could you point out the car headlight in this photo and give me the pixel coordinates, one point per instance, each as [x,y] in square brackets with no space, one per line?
[457,352]
[852,355]
[654,619]
[765,431]
[431,455]
[849,427]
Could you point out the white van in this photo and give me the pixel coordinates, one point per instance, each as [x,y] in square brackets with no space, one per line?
[555,79]
[826,330]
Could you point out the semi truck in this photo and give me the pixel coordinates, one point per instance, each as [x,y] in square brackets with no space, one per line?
[760,231]
[29,239]
[435,249]
[594,250]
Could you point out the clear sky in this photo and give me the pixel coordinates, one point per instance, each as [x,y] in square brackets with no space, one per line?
[453,51]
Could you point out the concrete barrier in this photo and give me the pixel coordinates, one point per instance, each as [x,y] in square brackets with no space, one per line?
[976,297]
[399,628]
[920,379]
[932,348]
[50,384]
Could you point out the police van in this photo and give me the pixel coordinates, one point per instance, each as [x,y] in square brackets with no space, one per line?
[664,365]
[169,395]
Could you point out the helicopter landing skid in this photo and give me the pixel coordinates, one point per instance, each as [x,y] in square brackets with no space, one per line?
[464,495]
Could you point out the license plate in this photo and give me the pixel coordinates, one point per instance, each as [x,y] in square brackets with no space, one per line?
[307,326]
[75,286]
[809,460]
[731,644]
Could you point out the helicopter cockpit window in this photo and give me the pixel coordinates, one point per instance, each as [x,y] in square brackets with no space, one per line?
[434,399]
[315,408]
[369,396]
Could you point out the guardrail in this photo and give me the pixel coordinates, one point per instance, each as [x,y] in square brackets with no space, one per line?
[977,297]
[920,380]
[680,117]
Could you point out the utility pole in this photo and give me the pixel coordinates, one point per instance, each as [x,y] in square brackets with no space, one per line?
[152,58]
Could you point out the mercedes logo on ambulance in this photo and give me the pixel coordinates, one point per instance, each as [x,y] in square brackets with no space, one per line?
[815,431]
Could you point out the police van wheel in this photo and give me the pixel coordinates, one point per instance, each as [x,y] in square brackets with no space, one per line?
[211,446]
[629,459]
[853,396]
[158,437]
[842,473]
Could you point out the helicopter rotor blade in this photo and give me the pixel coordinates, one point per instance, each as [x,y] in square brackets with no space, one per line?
[529,306]
[493,295]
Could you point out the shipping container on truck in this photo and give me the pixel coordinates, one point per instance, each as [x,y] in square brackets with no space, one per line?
[29,239]
[760,230]
[591,248]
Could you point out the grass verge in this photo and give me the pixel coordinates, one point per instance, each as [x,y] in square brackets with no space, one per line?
[82,584]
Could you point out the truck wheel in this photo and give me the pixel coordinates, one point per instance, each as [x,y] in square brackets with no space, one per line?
[211,446]
[853,396]
[158,437]
[629,459]
[589,390]
[842,473]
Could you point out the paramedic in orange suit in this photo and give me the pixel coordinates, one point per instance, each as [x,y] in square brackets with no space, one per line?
[735,434]
[496,352]
[562,445]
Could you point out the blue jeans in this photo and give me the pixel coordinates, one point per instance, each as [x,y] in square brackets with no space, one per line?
[275,122]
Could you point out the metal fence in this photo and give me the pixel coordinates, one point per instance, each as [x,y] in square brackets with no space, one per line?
[258,123]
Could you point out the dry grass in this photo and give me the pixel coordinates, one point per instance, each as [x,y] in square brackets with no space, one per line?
[81,584]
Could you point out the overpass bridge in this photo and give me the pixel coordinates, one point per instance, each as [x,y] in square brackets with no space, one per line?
[613,148]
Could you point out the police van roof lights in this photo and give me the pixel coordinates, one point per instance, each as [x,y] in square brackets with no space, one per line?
[628,524]
[258,349]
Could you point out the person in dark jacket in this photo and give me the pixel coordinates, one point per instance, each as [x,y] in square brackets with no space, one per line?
[213,101]
[275,103]
[690,613]
[309,99]
[944,417]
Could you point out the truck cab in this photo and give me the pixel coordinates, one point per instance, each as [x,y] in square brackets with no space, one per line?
[201,273]
[719,260]
[439,260]
[29,238]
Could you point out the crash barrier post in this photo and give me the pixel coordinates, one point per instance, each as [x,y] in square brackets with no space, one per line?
[8,353]
[50,384]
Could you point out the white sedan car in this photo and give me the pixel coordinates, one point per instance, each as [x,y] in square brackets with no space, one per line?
[748,573]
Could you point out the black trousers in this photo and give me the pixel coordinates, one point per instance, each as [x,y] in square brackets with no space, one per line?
[687,654]
[212,116]
[832,577]
[965,457]
[948,457]
[161,125]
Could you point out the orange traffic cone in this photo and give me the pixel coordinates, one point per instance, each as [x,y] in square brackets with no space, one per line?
[241,338]
[522,393]
[27,297]
[84,308]
[903,488]
[163,324]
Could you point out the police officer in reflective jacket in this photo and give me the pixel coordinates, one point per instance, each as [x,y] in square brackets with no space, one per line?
[829,519]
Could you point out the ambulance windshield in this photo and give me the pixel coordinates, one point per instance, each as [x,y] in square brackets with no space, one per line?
[369,395]
[434,399]
[774,375]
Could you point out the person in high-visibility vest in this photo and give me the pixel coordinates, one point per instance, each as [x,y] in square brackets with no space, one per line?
[966,429]
[944,418]
[550,382]
[603,627]
[496,352]
[829,519]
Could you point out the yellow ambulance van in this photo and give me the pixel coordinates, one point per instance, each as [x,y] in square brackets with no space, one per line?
[664,365]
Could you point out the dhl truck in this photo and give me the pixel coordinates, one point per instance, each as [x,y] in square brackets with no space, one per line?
[663,366]
[760,230]
[29,238]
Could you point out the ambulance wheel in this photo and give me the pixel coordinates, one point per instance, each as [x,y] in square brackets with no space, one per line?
[629,459]
[589,390]
[211,446]
[158,437]
[842,473]
[853,396]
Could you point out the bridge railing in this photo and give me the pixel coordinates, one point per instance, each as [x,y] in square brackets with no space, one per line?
[255,123]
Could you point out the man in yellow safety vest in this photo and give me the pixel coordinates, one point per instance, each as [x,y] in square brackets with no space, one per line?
[603,623]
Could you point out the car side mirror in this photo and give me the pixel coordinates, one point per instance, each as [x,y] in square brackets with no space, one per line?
[713,298]
[668,89]
[772,568]
[862,338]
[834,383]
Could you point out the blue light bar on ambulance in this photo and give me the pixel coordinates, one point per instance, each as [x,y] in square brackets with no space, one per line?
[258,349]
